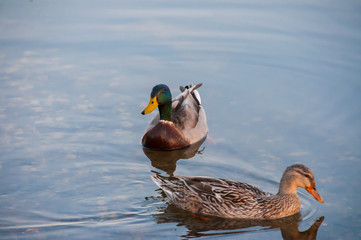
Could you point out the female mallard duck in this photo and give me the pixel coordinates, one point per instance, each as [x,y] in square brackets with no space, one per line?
[230,199]
[180,122]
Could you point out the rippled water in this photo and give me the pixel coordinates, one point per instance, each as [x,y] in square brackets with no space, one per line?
[281,84]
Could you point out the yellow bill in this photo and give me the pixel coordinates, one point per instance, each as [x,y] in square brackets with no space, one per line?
[151,106]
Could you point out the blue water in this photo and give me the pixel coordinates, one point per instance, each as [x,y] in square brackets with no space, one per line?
[281,84]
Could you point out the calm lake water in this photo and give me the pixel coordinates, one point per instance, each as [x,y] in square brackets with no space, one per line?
[281,85]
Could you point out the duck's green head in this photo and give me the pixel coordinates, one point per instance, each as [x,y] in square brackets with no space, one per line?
[161,97]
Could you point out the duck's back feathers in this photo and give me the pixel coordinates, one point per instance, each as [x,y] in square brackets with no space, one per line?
[186,108]
[212,196]
[189,115]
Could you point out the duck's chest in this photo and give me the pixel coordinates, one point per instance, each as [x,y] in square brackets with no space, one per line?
[164,135]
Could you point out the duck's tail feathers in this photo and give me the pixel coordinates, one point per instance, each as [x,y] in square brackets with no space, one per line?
[190,89]
[165,185]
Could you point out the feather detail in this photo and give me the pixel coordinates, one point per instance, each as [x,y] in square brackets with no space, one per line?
[231,199]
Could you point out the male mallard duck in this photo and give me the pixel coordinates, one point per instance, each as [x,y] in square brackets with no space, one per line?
[230,199]
[180,122]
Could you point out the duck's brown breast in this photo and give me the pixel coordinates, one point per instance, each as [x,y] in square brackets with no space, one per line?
[164,136]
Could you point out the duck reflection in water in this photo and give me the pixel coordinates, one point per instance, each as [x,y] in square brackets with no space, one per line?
[167,160]
[215,226]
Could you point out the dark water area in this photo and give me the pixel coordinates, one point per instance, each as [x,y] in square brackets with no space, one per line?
[281,85]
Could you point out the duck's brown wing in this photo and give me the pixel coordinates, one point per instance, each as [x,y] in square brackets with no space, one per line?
[223,189]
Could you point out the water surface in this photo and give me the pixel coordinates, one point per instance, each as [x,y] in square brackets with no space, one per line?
[281,84]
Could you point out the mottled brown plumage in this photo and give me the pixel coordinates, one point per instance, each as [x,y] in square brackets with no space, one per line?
[231,199]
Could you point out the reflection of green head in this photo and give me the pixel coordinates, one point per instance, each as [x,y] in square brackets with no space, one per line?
[161,97]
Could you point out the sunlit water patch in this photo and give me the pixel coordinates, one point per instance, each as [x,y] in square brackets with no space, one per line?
[281,84]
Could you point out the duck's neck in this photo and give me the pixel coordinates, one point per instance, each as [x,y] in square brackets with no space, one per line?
[165,111]
[281,205]
[288,185]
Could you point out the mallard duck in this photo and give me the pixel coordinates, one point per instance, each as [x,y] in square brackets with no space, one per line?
[180,122]
[230,199]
